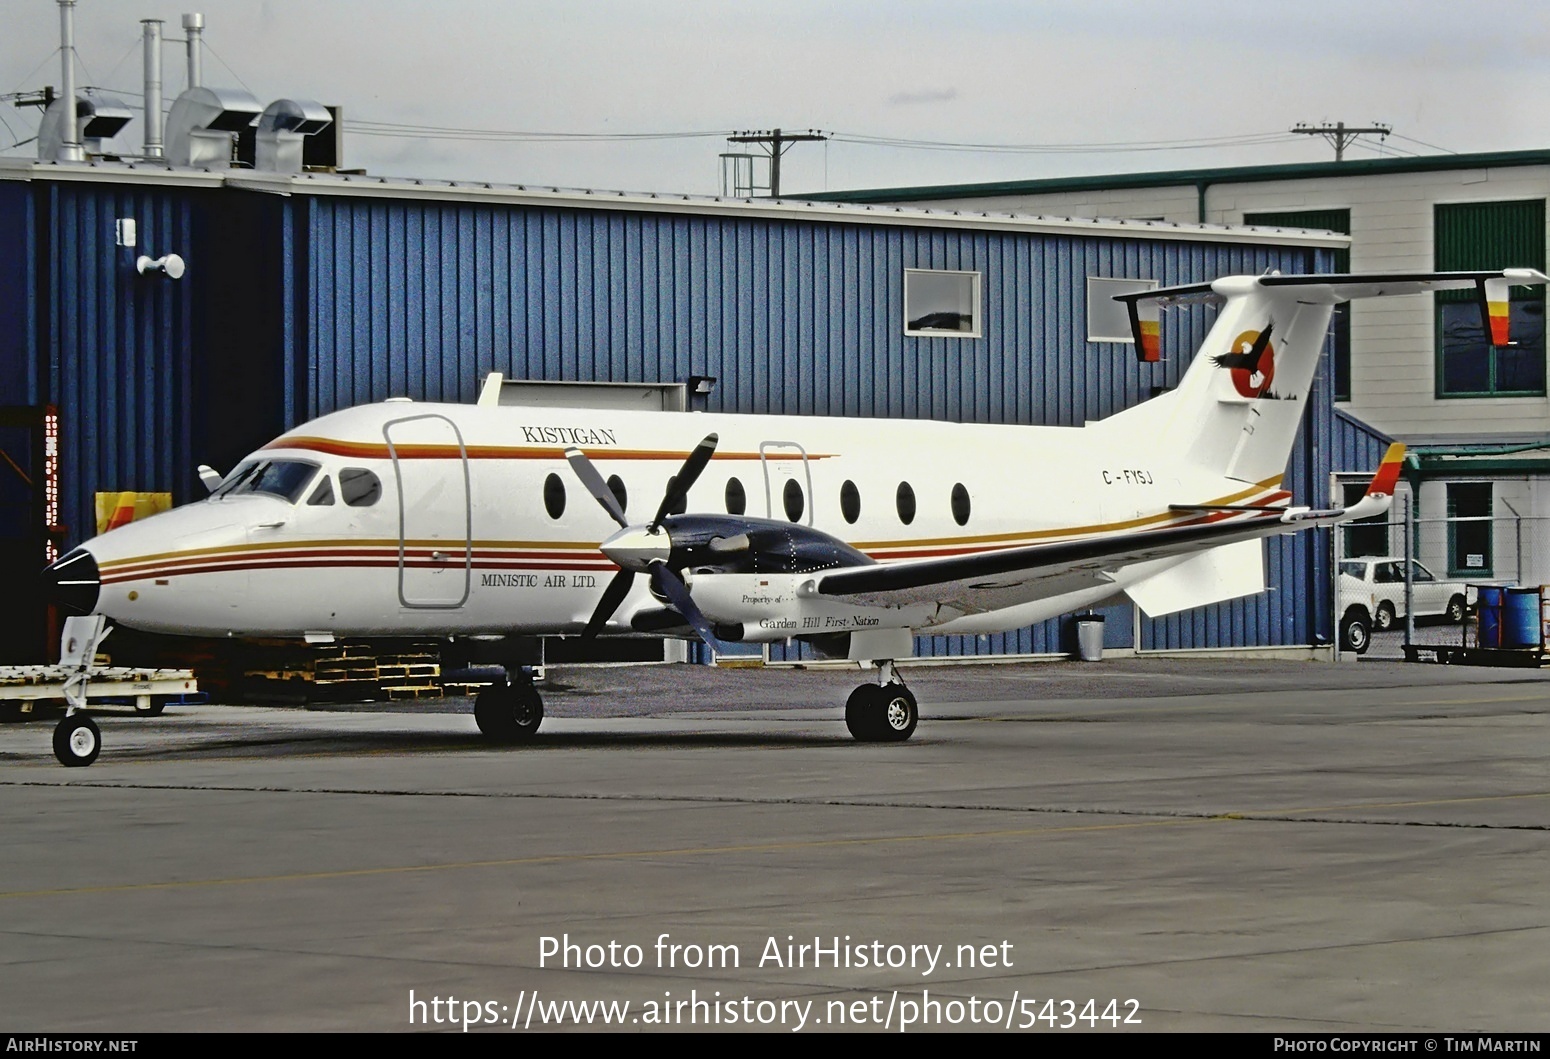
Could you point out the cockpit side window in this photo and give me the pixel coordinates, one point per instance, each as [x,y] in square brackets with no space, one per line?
[359,487]
[323,495]
[282,478]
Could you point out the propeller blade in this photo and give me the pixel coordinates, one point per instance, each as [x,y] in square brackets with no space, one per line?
[613,595]
[677,594]
[595,485]
[678,486]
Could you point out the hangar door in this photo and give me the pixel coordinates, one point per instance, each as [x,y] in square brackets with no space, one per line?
[29,498]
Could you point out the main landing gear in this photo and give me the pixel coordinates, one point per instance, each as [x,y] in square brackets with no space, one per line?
[510,713]
[884,712]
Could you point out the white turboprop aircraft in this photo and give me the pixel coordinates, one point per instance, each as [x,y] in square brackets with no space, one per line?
[411,519]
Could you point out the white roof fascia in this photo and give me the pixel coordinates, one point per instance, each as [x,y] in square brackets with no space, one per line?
[655,202]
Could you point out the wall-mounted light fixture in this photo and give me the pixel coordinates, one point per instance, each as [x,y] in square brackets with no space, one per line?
[169,265]
[699,388]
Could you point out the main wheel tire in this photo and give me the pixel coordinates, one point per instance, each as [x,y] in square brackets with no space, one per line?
[77,741]
[899,714]
[509,713]
[1457,608]
[863,713]
[1383,620]
[1355,636]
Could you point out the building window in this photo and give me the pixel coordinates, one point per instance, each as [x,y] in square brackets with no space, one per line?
[941,304]
[1364,536]
[1326,221]
[1490,235]
[1107,319]
[1469,529]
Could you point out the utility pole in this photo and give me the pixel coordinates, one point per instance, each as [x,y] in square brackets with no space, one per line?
[1338,135]
[775,144]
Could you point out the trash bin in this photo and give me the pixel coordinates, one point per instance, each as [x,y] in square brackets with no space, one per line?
[1520,618]
[1488,609]
[1089,637]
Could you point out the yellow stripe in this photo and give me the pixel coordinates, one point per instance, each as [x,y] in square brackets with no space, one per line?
[1070,531]
[536,545]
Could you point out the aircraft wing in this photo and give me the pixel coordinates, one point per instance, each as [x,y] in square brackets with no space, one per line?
[996,579]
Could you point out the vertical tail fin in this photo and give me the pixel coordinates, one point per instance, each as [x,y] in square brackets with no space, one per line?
[1237,409]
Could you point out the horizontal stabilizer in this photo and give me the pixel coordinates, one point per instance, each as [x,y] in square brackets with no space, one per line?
[1332,289]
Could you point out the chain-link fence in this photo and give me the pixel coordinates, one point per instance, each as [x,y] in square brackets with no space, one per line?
[1417,581]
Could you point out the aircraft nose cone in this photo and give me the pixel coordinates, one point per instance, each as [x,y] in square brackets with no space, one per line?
[635,548]
[73,582]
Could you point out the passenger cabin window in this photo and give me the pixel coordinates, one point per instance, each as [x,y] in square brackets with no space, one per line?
[792,497]
[850,502]
[737,500]
[960,504]
[621,494]
[282,478]
[359,487]
[323,495]
[905,499]
[554,496]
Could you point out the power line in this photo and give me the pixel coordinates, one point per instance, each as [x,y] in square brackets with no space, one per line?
[1339,135]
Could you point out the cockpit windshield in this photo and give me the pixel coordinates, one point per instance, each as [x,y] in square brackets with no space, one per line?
[283,478]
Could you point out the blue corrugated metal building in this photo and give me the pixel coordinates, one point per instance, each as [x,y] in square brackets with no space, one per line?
[305,294]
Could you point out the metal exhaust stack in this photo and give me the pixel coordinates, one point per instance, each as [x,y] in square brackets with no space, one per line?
[153,116]
[70,146]
[193,28]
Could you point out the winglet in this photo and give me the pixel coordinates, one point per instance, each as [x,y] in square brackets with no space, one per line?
[1494,296]
[1146,327]
[1388,471]
[1380,493]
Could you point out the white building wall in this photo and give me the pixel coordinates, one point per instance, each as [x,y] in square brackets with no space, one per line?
[1393,361]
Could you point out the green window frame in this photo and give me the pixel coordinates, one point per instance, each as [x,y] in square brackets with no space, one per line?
[1489,235]
[1470,542]
[1328,221]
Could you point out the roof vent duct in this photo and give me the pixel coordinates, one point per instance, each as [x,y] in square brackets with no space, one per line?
[96,119]
[204,124]
[282,132]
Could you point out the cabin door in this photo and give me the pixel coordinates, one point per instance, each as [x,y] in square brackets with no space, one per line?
[788,481]
[435,549]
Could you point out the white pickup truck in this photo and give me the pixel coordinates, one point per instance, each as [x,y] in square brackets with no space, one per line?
[1371,597]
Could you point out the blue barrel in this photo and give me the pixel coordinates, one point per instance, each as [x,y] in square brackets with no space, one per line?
[1520,618]
[1490,611]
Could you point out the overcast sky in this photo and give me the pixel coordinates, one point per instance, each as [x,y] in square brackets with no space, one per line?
[1455,76]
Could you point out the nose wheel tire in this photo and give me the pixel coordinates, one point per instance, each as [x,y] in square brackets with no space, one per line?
[509,713]
[884,713]
[77,741]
